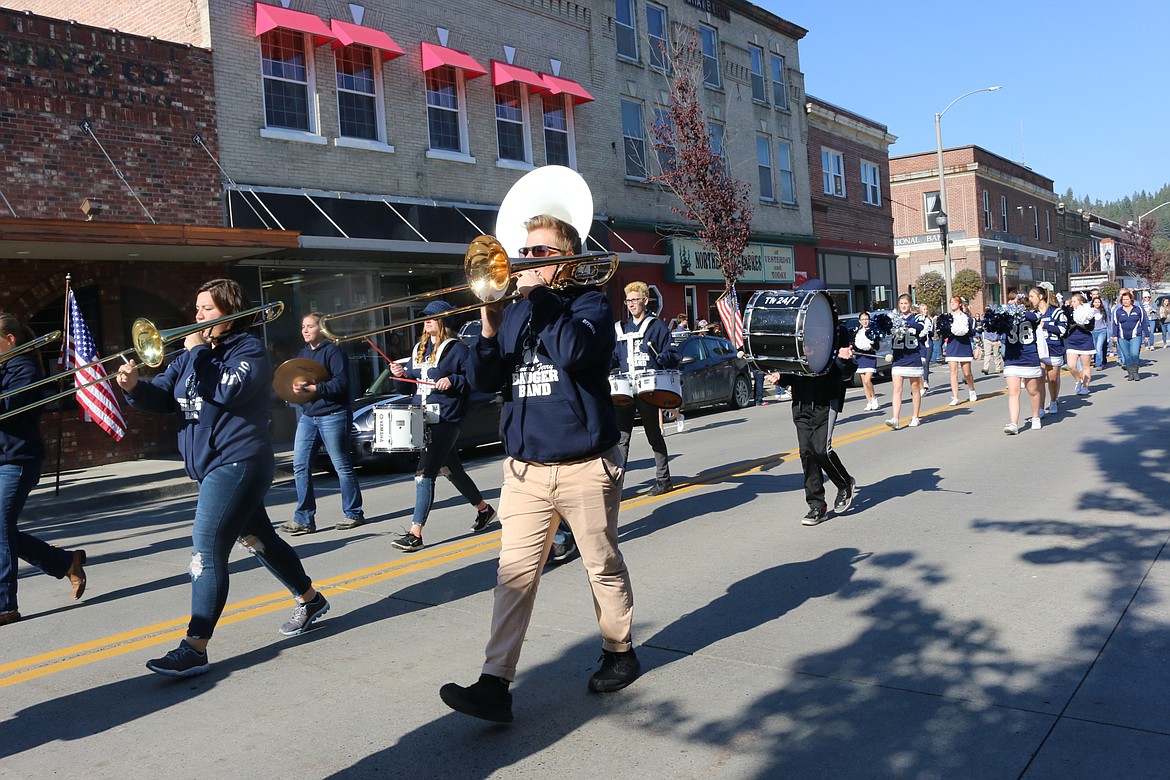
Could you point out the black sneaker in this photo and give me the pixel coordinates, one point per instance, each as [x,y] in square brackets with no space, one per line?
[483,518]
[815,516]
[488,698]
[562,552]
[303,616]
[350,522]
[845,497]
[617,671]
[183,661]
[660,487]
[408,542]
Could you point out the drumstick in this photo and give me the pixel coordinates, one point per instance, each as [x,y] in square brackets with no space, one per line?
[388,360]
[413,381]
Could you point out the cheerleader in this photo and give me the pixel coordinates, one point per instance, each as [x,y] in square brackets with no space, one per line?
[908,358]
[959,331]
[1081,348]
[1021,365]
[1053,327]
[865,353]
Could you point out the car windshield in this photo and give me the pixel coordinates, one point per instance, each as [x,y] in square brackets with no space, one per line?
[383,385]
[692,348]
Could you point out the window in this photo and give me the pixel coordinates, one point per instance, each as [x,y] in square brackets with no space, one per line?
[627,33]
[833,172]
[871,183]
[764,160]
[987,210]
[758,92]
[710,57]
[286,71]
[787,177]
[511,126]
[656,37]
[558,131]
[666,156]
[634,135]
[445,119]
[1048,225]
[715,131]
[1036,222]
[1003,211]
[779,82]
[357,93]
[933,207]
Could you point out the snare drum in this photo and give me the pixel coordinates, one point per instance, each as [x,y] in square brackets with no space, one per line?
[660,388]
[399,429]
[790,332]
[621,389]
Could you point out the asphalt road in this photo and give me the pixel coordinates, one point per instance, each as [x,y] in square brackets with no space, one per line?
[991,607]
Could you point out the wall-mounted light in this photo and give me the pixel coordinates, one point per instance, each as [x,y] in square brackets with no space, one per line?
[91,207]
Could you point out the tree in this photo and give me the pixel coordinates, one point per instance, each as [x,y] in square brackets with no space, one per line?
[931,287]
[698,174]
[967,283]
[1142,259]
[1109,290]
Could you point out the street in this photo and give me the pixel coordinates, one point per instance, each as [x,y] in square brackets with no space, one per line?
[991,607]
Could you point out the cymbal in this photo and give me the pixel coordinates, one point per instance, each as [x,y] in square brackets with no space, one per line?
[298,370]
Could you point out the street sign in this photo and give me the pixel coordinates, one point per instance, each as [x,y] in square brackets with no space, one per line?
[1078,282]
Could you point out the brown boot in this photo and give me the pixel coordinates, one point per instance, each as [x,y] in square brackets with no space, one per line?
[76,573]
[9,617]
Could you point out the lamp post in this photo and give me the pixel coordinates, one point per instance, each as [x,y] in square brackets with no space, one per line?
[942,183]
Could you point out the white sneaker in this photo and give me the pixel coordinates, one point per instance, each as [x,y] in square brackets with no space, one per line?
[1011,429]
[892,423]
[1035,423]
[915,422]
[954,401]
[1084,390]
[1077,389]
[925,387]
[1052,408]
[973,396]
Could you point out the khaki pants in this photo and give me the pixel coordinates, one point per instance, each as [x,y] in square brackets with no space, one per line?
[992,356]
[533,500]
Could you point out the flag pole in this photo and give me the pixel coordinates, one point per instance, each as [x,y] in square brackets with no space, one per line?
[61,414]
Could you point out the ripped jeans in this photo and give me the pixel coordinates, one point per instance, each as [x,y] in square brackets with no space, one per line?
[440,454]
[231,506]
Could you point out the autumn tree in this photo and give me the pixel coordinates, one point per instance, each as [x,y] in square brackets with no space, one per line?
[1142,259]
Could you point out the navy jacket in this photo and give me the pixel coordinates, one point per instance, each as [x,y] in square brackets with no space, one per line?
[1127,326]
[1054,323]
[551,358]
[453,402]
[221,397]
[20,436]
[1019,348]
[333,394]
[653,351]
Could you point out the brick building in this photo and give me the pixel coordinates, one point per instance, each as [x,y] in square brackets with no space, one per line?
[849,170]
[1002,221]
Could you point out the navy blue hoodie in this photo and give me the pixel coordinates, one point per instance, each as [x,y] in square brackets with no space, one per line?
[452,402]
[333,393]
[221,396]
[662,354]
[551,359]
[20,435]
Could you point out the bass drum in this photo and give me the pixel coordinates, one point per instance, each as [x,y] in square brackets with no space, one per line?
[793,332]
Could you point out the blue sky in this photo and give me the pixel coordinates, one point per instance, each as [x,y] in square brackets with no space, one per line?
[1085,89]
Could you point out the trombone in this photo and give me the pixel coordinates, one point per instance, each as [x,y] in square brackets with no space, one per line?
[29,346]
[489,273]
[149,342]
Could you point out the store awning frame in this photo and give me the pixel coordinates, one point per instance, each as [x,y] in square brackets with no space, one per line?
[272,17]
[348,34]
[561,86]
[504,73]
[436,56]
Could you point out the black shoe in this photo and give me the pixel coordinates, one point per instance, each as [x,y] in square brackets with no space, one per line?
[562,552]
[660,487]
[815,516]
[488,698]
[617,671]
[483,518]
[183,661]
[845,497]
[408,542]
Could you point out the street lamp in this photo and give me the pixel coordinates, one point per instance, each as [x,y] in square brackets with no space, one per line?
[942,184]
[1151,211]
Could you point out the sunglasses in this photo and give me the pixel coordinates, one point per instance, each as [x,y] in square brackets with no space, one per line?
[540,250]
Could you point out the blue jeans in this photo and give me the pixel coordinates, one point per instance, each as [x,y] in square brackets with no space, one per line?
[1165,332]
[231,507]
[1128,350]
[334,431]
[1100,341]
[440,454]
[16,481]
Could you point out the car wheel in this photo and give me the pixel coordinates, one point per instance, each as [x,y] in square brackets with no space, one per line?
[741,394]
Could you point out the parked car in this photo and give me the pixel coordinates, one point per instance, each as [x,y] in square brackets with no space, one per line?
[885,347]
[481,425]
[713,373]
[469,332]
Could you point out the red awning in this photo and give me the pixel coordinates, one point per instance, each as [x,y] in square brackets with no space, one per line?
[271,17]
[557,86]
[435,56]
[503,73]
[348,34]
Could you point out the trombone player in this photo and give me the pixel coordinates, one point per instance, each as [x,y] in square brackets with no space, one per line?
[550,354]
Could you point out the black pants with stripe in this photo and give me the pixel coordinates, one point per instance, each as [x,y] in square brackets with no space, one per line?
[814,434]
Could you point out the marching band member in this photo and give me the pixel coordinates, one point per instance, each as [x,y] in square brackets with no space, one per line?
[958,328]
[1081,348]
[441,358]
[865,355]
[219,388]
[326,420]
[1054,327]
[652,350]
[1128,326]
[550,353]
[908,360]
[1021,362]
[22,453]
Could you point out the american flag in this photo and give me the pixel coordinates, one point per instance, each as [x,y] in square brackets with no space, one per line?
[98,403]
[728,306]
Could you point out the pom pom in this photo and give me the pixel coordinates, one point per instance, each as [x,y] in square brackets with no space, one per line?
[960,324]
[944,322]
[862,342]
[884,323]
[1083,314]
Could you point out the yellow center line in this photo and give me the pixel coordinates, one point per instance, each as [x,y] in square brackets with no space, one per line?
[172,630]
